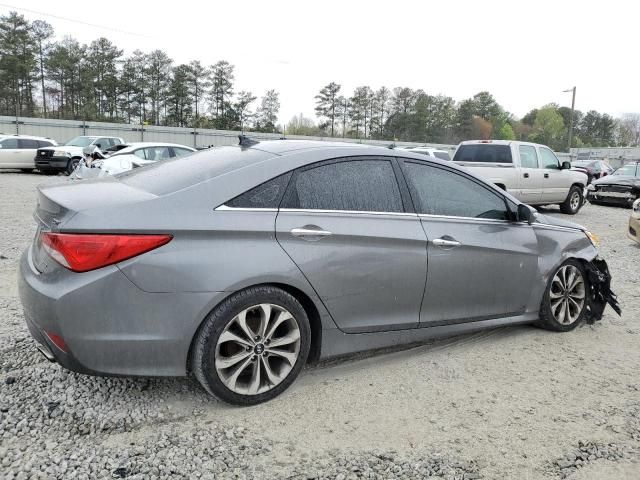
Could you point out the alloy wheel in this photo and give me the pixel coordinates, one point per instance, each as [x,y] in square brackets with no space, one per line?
[567,295]
[575,201]
[257,349]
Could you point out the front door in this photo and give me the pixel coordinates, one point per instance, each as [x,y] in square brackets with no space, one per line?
[531,176]
[343,222]
[481,262]
[556,180]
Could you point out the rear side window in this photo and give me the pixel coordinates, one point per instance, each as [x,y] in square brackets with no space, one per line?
[181,152]
[27,143]
[528,156]
[355,185]
[9,143]
[483,152]
[437,191]
[267,195]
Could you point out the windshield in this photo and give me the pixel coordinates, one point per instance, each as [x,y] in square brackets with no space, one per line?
[629,170]
[80,141]
[582,163]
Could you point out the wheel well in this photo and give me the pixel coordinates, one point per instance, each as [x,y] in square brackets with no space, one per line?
[309,307]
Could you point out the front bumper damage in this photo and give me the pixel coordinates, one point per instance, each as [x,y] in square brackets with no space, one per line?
[600,293]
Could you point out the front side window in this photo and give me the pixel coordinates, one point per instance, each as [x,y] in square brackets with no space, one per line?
[157,153]
[80,141]
[44,143]
[549,160]
[181,152]
[437,191]
[354,185]
[27,143]
[528,156]
[442,155]
[629,169]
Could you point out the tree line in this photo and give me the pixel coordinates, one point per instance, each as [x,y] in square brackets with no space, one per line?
[41,76]
[413,115]
[69,80]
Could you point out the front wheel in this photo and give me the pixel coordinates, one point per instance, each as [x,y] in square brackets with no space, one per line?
[573,202]
[565,300]
[72,165]
[252,346]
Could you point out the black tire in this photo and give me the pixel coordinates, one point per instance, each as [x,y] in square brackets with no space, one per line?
[547,319]
[573,202]
[71,166]
[204,346]
[48,172]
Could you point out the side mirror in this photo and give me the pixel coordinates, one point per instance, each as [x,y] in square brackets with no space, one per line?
[527,214]
[566,165]
[98,145]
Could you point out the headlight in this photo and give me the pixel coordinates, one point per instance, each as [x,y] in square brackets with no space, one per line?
[61,153]
[595,241]
[591,187]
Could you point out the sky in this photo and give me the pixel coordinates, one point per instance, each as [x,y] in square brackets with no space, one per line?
[524,53]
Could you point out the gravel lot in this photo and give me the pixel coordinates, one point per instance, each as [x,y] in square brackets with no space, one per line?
[514,402]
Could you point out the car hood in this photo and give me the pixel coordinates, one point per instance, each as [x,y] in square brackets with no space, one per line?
[557,222]
[65,148]
[618,180]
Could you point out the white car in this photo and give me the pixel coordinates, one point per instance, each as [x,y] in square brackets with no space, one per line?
[431,152]
[529,171]
[67,157]
[131,156]
[19,151]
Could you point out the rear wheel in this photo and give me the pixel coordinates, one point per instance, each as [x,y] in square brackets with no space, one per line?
[565,300]
[573,202]
[252,346]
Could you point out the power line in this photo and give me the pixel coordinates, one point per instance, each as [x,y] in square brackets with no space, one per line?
[73,20]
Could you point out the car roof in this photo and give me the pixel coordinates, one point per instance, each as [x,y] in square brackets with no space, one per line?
[29,137]
[154,144]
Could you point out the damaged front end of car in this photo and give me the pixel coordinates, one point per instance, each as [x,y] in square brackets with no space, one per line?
[600,293]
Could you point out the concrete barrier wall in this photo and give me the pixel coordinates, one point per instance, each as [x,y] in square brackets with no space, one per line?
[64,130]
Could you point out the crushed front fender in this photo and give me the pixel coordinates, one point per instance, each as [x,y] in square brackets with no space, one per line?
[600,293]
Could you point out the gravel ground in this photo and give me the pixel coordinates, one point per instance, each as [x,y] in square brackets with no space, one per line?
[514,402]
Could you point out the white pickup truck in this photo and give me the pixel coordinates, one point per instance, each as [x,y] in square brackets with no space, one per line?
[528,171]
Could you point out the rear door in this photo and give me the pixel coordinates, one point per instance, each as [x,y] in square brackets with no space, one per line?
[10,154]
[531,176]
[344,222]
[481,264]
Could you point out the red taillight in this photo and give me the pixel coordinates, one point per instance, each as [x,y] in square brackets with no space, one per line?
[57,341]
[82,252]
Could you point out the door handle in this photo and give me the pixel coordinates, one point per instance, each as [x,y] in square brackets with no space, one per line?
[443,242]
[310,231]
[546,175]
[526,175]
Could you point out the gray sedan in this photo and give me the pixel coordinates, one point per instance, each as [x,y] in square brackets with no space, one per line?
[241,264]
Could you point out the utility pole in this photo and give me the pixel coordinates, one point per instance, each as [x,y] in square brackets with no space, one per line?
[573,105]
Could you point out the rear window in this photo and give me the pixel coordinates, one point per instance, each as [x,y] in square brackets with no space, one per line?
[177,173]
[483,152]
[442,155]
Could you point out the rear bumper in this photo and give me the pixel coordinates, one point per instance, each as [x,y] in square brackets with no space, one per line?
[109,325]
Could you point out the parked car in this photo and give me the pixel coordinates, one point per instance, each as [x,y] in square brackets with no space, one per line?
[130,156]
[66,157]
[529,171]
[17,151]
[593,168]
[622,187]
[634,222]
[431,152]
[240,264]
